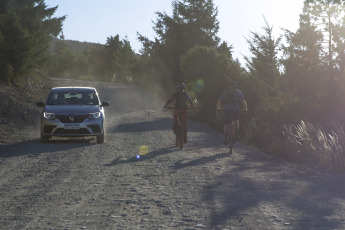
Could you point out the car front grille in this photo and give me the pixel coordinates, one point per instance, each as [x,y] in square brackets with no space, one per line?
[73,131]
[66,119]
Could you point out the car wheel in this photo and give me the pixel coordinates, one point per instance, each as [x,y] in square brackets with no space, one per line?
[44,139]
[100,138]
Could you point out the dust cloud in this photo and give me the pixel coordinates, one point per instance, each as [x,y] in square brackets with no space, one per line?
[123,98]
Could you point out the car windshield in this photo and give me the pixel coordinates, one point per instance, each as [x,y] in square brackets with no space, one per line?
[73,98]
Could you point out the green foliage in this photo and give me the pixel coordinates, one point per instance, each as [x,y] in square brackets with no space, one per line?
[193,22]
[209,71]
[198,20]
[99,64]
[201,62]
[327,16]
[114,61]
[61,61]
[305,72]
[309,86]
[26,28]
[264,65]
[122,58]
[262,90]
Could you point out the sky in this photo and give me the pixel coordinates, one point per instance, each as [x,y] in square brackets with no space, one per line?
[96,20]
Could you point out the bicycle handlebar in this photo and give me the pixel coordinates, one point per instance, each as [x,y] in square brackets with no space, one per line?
[172,107]
[241,110]
[190,108]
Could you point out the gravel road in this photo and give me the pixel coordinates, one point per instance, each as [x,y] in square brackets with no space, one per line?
[79,184]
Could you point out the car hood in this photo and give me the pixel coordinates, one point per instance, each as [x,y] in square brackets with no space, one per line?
[75,109]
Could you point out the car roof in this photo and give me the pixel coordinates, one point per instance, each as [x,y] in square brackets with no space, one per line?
[73,88]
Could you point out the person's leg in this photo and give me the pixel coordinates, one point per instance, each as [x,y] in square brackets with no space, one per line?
[175,120]
[184,116]
[226,130]
[227,118]
[184,119]
[236,123]
[226,134]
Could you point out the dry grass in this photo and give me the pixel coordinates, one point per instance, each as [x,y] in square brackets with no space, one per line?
[309,144]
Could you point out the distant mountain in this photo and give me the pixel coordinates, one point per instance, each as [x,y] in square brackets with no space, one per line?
[74,46]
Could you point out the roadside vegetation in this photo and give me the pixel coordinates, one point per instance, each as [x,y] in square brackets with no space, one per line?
[26,30]
[294,84]
[309,144]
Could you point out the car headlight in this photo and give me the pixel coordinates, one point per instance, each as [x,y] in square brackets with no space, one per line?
[49,116]
[94,115]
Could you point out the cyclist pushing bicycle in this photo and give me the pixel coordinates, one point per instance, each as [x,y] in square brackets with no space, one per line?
[229,102]
[181,98]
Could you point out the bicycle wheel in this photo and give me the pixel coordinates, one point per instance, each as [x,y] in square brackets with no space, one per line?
[232,138]
[181,135]
[177,134]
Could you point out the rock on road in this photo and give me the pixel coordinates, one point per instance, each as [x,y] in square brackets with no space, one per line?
[79,184]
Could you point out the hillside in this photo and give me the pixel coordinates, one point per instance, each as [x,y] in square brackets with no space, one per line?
[17,107]
[74,46]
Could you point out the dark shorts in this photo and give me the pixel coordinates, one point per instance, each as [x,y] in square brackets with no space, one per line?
[230,115]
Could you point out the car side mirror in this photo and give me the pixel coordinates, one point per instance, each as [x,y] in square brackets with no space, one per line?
[105,103]
[40,104]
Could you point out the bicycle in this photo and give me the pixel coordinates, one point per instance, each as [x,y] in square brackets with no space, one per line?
[232,136]
[179,130]
[233,131]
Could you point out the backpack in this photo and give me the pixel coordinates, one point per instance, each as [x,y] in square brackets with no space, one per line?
[181,98]
[230,97]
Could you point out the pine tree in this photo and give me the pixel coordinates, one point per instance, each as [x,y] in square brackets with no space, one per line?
[328,18]
[263,88]
[26,29]
[193,22]
[121,57]
[263,64]
[304,68]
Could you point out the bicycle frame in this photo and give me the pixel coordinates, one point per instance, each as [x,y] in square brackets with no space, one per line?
[179,130]
[232,135]
[231,130]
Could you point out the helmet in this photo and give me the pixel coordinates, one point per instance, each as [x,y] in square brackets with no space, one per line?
[233,86]
[181,86]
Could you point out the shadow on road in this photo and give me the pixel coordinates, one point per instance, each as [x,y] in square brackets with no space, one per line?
[155,125]
[203,160]
[150,156]
[35,147]
[308,200]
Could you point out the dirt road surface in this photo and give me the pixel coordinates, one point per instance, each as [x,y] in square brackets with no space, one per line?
[79,184]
